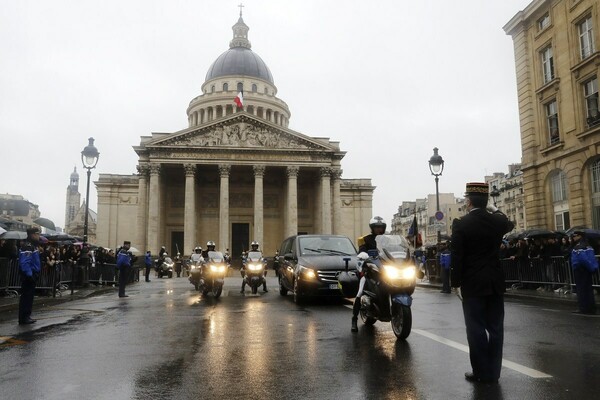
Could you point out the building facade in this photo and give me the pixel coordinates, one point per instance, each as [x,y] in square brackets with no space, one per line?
[557,66]
[73,200]
[17,212]
[234,175]
[511,198]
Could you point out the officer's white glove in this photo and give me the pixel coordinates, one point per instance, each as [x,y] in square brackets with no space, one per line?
[458,293]
[491,208]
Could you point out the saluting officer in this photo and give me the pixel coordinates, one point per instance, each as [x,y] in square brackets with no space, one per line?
[477,275]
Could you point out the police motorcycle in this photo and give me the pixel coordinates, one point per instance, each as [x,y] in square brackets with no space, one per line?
[390,282]
[254,270]
[164,266]
[212,274]
[195,267]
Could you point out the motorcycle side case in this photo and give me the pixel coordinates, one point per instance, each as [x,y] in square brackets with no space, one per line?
[348,283]
[403,299]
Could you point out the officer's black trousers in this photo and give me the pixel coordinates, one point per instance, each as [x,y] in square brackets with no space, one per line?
[123,276]
[26,300]
[484,319]
[585,290]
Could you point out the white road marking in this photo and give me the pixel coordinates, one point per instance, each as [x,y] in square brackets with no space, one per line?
[506,363]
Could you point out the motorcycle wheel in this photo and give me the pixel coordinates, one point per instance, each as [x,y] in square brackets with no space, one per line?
[217,291]
[369,321]
[170,275]
[204,291]
[282,290]
[196,286]
[401,321]
[254,289]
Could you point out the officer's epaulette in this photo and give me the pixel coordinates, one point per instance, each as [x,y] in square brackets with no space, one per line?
[361,241]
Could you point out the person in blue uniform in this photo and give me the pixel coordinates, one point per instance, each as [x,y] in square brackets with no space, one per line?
[476,275]
[125,260]
[29,269]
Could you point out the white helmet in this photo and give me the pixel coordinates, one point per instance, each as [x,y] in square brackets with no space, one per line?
[210,243]
[377,222]
[254,243]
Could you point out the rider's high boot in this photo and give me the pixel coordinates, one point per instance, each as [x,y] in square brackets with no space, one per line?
[355,311]
[243,286]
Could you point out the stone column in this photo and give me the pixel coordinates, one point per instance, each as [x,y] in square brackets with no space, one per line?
[292,201]
[336,206]
[326,200]
[259,173]
[154,209]
[189,216]
[223,243]
[142,207]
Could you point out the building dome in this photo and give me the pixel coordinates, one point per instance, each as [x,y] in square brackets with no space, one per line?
[239,59]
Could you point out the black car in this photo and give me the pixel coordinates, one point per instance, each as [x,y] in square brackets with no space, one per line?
[309,265]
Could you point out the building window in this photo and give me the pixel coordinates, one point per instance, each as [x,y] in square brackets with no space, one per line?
[212,89]
[544,22]
[586,37]
[254,88]
[558,185]
[595,175]
[561,221]
[226,87]
[552,119]
[240,87]
[590,91]
[547,64]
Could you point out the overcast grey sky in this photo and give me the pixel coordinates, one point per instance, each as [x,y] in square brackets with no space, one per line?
[388,79]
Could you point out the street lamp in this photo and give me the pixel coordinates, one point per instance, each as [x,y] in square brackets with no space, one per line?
[495,193]
[89,158]
[436,166]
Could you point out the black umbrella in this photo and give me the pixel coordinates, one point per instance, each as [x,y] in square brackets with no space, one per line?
[539,233]
[45,222]
[590,233]
[17,235]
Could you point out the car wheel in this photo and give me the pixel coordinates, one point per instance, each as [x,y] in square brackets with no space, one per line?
[282,289]
[298,298]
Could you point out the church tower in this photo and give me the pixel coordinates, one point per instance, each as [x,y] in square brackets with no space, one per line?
[73,198]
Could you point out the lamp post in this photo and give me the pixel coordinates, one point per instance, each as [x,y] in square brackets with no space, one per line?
[89,158]
[495,193]
[436,166]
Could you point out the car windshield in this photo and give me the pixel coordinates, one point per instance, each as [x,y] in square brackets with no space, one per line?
[215,256]
[254,255]
[326,245]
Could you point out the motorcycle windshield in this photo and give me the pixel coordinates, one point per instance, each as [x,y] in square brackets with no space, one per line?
[396,245]
[215,256]
[254,256]
[168,260]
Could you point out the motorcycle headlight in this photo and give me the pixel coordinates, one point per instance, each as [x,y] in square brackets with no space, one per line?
[307,273]
[255,267]
[170,265]
[217,268]
[399,273]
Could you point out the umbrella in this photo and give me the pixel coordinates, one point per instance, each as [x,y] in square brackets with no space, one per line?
[590,233]
[45,222]
[43,240]
[134,250]
[61,237]
[17,235]
[539,233]
[514,235]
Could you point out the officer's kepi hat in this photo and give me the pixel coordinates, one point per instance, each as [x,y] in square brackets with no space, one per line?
[125,243]
[477,189]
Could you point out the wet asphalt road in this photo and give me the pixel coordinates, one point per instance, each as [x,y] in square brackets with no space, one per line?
[165,341]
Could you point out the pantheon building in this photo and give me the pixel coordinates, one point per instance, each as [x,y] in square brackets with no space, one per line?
[234,175]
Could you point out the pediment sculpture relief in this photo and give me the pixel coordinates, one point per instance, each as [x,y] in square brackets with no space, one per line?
[242,135]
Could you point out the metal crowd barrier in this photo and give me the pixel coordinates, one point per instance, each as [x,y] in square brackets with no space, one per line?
[432,269]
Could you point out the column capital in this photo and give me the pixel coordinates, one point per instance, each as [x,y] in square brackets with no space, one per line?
[259,170]
[224,170]
[190,169]
[154,168]
[292,171]
[325,172]
[143,170]
[336,174]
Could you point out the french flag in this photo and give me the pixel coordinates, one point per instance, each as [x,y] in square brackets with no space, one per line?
[239,100]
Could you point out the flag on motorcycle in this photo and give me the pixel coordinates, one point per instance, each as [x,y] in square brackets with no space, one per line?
[239,100]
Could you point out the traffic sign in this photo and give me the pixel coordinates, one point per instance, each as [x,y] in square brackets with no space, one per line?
[439,215]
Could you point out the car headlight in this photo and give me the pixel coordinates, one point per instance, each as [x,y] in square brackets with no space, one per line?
[255,267]
[307,273]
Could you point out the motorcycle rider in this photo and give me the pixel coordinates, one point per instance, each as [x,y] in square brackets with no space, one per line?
[254,247]
[366,243]
[210,246]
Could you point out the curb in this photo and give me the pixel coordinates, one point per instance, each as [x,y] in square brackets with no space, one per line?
[516,294]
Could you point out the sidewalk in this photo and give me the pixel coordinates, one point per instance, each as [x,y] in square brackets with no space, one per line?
[524,293]
[12,303]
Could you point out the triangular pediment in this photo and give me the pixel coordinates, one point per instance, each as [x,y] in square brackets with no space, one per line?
[240,131]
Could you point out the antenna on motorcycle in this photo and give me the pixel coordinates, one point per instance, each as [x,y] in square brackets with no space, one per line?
[389,255]
[346,260]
